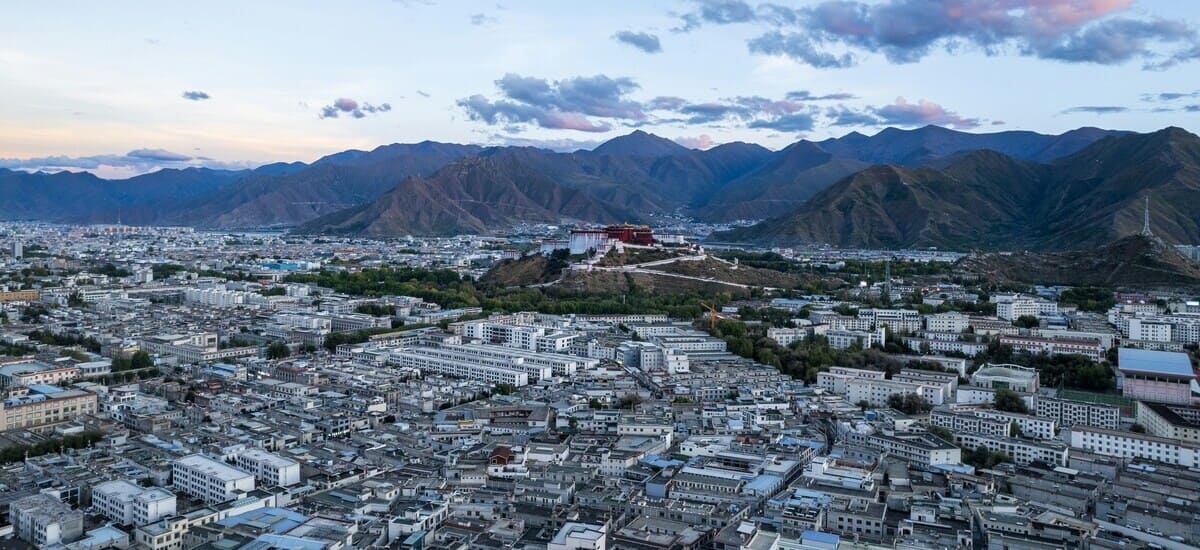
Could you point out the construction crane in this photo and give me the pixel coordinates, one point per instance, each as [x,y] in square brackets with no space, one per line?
[712,316]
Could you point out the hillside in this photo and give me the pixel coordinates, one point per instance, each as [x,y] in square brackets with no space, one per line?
[1132,261]
[472,195]
[984,199]
[639,172]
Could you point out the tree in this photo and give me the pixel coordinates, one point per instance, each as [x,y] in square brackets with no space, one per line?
[278,350]
[1010,401]
[944,433]
[1027,321]
[909,403]
[629,401]
[863,405]
[505,389]
[141,360]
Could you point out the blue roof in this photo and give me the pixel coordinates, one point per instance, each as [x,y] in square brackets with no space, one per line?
[44,389]
[275,520]
[1158,362]
[817,536]
[763,482]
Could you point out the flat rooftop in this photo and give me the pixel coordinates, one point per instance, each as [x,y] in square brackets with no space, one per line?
[211,467]
[1169,363]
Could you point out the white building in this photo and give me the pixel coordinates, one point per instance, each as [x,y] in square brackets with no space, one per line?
[786,336]
[1133,445]
[1011,307]
[1022,451]
[579,536]
[269,469]
[453,363]
[843,339]
[1151,330]
[44,521]
[871,386]
[1078,413]
[127,503]
[947,322]
[211,481]
[1006,376]
[896,320]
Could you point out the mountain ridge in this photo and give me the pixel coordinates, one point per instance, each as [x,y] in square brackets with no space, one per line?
[986,199]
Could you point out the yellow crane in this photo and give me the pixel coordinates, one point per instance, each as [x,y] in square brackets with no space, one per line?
[712,316]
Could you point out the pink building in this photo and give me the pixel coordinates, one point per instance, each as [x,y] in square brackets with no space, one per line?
[1156,376]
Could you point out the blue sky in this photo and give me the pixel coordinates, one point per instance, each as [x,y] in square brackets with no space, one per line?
[125,87]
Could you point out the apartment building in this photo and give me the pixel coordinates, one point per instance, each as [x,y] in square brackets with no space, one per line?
[209,480]
[127,503]
[1176,422]
[1078,413]
[896,320]
[1011,307]
[454,363]
[843,339]
[787,336]
[1092,349]
[992,422]
[946,322]
[27,372]
[269,469]
[44,521]
[1022,451]
[923,449]
[48,407]
[1125,444]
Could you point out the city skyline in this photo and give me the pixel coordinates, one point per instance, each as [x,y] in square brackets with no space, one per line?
[126,91]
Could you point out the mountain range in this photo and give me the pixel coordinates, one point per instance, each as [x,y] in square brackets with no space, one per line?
[929,186]
[986,199]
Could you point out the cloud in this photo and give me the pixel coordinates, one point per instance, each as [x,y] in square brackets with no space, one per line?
[800,48]
[719,12]
[481,19]
[422,93]
[157,155]
[702,141]
[641,40]
[805,95]
[567,104]
[137,161]
[665,103]
[843,116]
[345,105]
[831,33]
[903,113]
[1170,96]
[795,122]
[195,95]
[1192,108]
[1096,109]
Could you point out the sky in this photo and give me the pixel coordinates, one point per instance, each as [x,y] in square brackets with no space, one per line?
[121,88]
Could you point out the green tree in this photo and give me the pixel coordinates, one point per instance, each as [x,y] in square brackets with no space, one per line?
[278,350]
[1027,321]
[141,360]
[909,403]
[1010,401]
[944,433]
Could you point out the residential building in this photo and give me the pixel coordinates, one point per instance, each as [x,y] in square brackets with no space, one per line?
[209,480]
